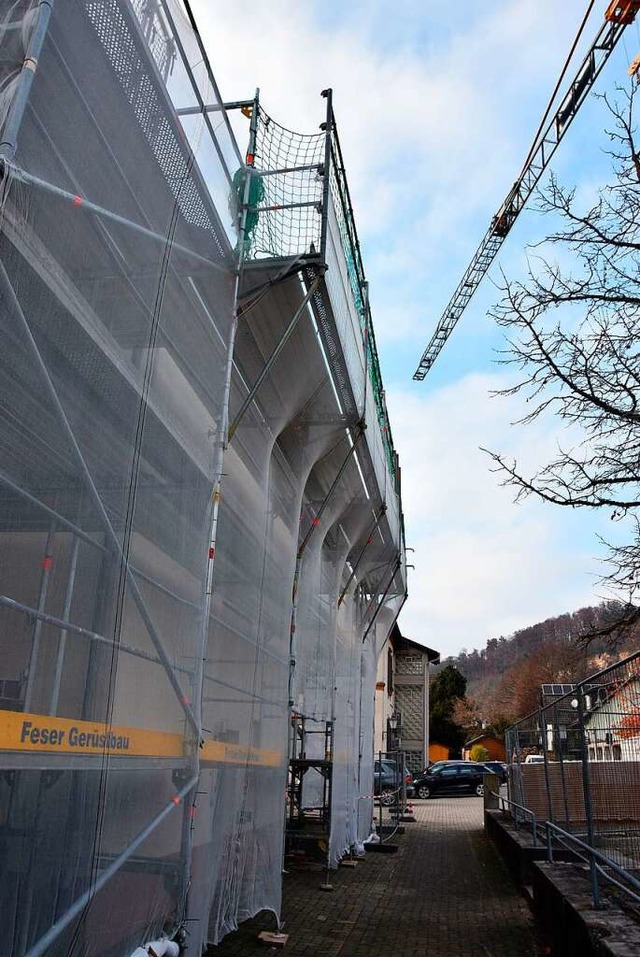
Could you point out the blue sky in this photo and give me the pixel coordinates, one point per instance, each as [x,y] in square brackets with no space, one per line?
[436,106]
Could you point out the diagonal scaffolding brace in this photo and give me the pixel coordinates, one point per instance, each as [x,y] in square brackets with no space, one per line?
[305,541]
[378,518]
[286,335]
[97,500]
[45,942]
[397,563]
[80,202]
[65,625]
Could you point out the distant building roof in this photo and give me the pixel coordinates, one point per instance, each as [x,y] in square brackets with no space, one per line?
[400,643]
[482,737]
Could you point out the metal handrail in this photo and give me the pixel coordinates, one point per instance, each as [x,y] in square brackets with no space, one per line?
[597,862]
[596,859]
[526,810]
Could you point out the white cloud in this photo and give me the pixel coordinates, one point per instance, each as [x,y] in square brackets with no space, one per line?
[440,127]
[484,566]
[435,111]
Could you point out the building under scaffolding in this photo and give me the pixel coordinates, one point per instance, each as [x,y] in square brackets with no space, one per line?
[201,542]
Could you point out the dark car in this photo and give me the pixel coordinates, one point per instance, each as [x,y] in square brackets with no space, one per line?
[454,777]
[499,768]
[387,781]
[432,765]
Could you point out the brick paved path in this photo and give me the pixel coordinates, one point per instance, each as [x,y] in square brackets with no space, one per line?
[444,894]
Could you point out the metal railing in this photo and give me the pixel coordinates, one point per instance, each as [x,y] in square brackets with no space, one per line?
[521,811]
[575,764]
[599,864]
[398,805]
[360,290]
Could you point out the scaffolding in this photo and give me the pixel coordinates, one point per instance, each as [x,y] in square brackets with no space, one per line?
[200,521]
[308,805]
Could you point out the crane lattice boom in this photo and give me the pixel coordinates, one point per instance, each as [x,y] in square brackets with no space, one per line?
[618,16]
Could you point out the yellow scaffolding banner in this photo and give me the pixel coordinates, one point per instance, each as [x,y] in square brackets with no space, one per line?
[40,733]
[37,732]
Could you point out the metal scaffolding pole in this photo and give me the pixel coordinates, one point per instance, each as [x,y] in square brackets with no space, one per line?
[79,202]
[397,565]
[207,596]
[81,535]
[47,562]
[192,605]
[213,107]
[13,122]
[378,518]
[62,641]
[328,129]
[296,576]
[68,626]
[286,335]
[97,501]
[42,946]
[60,519]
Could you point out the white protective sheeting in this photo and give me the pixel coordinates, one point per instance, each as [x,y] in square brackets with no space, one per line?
[167,596]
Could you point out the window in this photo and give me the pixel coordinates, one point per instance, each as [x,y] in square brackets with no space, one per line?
[409,665]
[449,772]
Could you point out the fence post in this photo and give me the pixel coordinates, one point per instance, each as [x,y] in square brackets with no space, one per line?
[542,724]
[586,788]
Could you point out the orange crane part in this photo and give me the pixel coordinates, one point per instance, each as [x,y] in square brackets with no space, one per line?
[622,11]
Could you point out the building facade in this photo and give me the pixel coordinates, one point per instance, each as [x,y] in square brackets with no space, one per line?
[201,530]
[402,699]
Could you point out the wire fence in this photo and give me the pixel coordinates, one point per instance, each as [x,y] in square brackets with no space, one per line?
[575,763]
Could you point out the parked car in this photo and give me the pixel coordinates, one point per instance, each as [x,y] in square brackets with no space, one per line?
[534,759]
[436,764]
[499,768]
[454,777]
[387,781]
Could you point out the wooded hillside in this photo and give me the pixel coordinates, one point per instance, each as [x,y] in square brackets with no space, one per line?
[504,678]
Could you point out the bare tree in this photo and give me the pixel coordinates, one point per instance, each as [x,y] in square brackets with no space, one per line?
[573,335]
